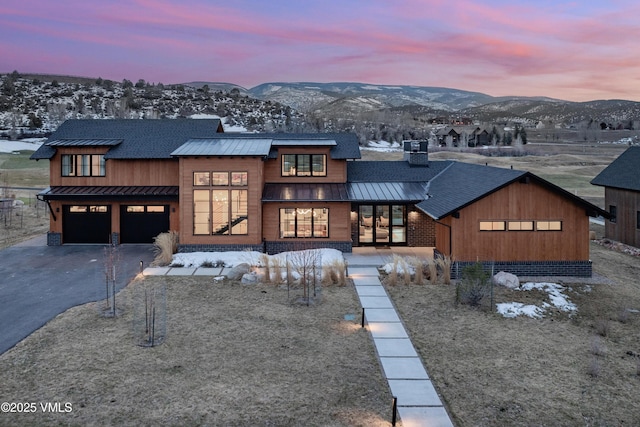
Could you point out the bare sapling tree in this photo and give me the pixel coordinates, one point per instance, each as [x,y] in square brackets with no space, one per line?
[307,263]
[111,269]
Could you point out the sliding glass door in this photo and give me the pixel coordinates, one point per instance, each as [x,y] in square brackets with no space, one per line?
[382,224]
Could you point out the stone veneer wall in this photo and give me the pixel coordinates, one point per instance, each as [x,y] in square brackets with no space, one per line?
[54,239]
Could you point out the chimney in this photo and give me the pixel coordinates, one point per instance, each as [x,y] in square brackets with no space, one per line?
[416,153]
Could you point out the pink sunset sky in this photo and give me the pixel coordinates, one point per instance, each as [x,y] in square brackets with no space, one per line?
[575,50]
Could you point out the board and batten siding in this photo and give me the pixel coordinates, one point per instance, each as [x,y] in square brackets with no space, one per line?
[255,182]
[627,204]
[518,202]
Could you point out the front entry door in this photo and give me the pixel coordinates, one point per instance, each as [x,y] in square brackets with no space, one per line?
[382,224]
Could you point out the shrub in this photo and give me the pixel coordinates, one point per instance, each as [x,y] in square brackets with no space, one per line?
[597,347]
[474,285]
[594,369]
[602,326]
[164,246]
[277,264]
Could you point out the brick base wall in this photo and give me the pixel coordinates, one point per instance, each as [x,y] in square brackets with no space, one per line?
[421,230]
[274,247]
[115,238]
[531,268]
[54,239]
[220,248]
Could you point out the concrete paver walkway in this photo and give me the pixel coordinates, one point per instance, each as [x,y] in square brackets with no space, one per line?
[418,402]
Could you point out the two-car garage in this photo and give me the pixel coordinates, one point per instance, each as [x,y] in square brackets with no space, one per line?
[93,223]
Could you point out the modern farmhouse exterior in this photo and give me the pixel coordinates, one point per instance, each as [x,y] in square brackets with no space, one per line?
[125,181]
[621,182]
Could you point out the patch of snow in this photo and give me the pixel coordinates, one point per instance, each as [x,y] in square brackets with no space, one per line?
[556,296]
[233,258]
[204,116]
[30,144]
[382,146]
[515,309]
[370,87]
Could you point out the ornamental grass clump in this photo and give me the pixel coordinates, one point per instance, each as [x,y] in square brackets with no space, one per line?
[164,246]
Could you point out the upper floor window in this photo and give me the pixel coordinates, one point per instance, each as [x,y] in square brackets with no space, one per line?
[304,165]
[83,165]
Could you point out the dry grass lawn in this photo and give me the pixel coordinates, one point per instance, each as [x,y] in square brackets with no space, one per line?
[235,355]
[556,371]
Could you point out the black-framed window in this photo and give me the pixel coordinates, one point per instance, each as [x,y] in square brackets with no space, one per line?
[638,220]
[613,211]
[83,165]
[221,209]
[304,222]
[304,165]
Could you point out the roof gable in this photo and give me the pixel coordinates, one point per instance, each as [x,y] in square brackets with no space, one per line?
[623,172]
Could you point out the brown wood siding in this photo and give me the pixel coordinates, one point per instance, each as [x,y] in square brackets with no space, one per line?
[117,172]
[339,220]
[627,204]
[443,236]
[255,181]
[520,201]
[336,169]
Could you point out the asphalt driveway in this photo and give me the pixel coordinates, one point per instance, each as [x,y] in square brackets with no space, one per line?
[38,282]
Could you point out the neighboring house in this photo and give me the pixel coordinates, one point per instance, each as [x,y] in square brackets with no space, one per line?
[126,181]
[621,182]
[468,136]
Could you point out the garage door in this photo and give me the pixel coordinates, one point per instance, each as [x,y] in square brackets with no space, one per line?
[141,223]
[86,223]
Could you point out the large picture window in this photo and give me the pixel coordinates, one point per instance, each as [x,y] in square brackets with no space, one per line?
[304,222]
[304,165]
[83,165]
[218,210]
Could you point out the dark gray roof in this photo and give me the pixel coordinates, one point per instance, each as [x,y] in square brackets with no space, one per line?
[462,184]
[623,172]
[234,146]
[386,191]
[397,171]
[326,192]
[141,139]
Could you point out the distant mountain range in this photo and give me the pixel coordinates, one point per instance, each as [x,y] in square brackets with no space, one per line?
[352,98]
[37,104]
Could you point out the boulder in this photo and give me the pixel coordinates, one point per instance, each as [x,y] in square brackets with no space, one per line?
[236,273]
[507,280]
[249,278]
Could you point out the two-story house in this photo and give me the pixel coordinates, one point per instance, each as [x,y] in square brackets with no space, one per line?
[125,181]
